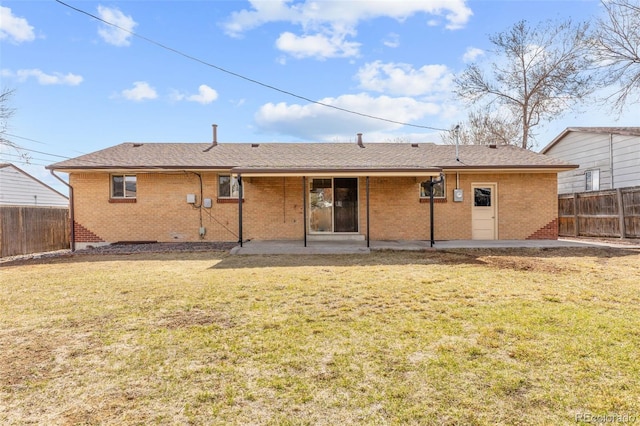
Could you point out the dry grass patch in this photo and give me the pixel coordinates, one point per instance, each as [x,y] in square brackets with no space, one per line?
[459,337]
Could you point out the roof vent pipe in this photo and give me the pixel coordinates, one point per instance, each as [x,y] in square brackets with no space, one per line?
[360,144]
[456,131]
[215,134]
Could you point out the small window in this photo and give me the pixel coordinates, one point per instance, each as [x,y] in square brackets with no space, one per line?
[482,197]
[228,187]
[592,180]
[438,189]
[123,186]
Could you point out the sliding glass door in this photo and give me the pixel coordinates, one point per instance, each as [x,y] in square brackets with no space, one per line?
[333,205]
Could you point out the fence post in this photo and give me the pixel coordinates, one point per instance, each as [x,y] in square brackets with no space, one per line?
[576,227]
[623,231]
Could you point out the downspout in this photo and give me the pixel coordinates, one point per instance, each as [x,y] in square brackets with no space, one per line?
[72,220]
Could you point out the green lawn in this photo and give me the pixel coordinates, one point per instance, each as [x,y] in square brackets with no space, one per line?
[461,337]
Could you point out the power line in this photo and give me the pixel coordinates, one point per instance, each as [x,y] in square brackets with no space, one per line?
[46,153]
[26,139]
[26,162]
[251,80]
[27,159]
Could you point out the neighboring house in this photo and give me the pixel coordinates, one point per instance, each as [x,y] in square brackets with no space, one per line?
[18,188]
[190,192]
[34,217]
[608,158]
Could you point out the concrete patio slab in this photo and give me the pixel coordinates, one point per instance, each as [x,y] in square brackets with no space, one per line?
[297,247]
[360,247]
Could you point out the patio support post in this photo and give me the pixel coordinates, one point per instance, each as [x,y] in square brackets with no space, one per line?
[431,184]
[240,195]
[431,211]
[367,211]
[304,208]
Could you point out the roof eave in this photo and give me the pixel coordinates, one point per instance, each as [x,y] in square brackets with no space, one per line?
[512,169]
[72,169]
[334,171]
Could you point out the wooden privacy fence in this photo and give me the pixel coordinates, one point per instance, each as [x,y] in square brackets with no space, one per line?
[25,230]
[610,213]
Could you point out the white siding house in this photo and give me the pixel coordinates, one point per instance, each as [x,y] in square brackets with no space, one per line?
[608,158]
[18,188]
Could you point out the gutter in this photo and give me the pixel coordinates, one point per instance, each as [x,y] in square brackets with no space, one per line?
[72,219]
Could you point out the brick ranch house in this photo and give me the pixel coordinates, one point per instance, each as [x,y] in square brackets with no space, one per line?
[297,191]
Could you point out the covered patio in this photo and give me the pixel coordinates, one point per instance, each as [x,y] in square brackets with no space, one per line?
[331,201]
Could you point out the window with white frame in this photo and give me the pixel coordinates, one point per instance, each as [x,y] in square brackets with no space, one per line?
[592,180]
[123,186]
[438,189]
[228,186]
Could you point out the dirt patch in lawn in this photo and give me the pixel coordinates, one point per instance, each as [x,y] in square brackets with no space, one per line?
[118,249]
[525,264]
[32,356]
[194,317]
[546,260]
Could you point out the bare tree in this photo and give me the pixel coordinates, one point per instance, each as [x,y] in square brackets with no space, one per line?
[6,112]
[486,127]
[616,49]
[536,74]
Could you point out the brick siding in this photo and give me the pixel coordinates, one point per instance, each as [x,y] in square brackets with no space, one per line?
[547,232]
[273,208]
[83,235]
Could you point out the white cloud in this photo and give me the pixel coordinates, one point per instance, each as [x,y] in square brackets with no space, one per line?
[331,21]
[403,79]
[111,34]
[317,122]
[205,95]
[319,46]
[43,78]
[392,40]
[472,54]
[14,28]
[141,91]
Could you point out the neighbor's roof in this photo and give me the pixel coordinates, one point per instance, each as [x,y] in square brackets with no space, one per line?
[309,157]
[624,131]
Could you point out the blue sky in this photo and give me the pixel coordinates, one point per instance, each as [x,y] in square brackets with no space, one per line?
[81,85]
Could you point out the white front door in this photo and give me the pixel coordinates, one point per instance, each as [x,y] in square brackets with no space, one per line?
[484,211]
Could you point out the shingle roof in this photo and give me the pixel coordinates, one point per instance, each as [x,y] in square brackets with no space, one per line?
[308,156]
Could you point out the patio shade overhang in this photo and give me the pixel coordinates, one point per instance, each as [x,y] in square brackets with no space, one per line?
[336,171]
